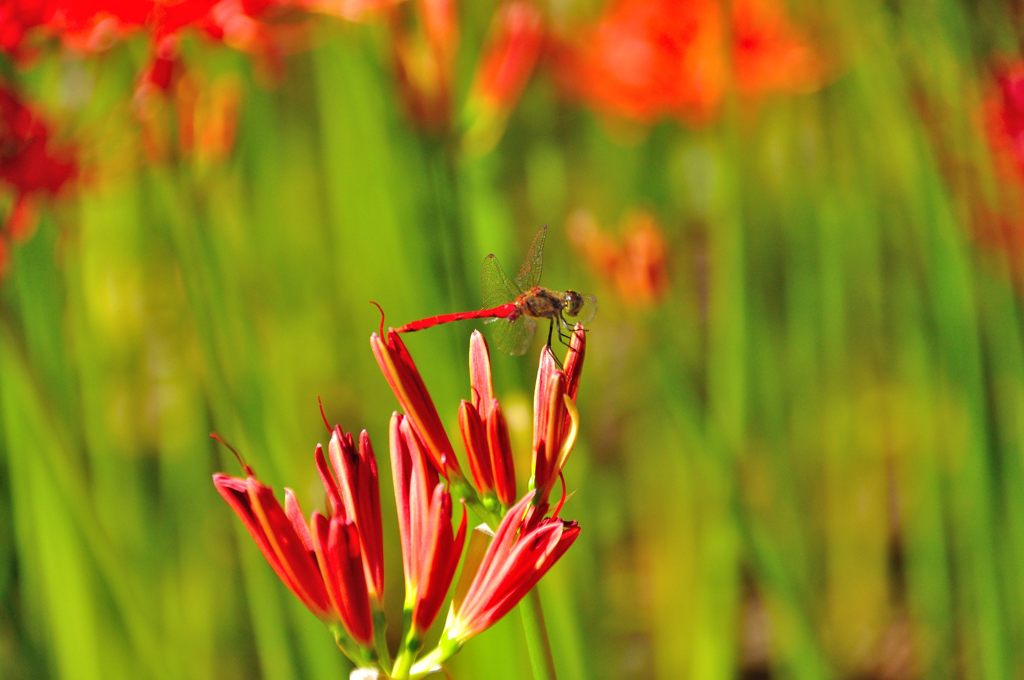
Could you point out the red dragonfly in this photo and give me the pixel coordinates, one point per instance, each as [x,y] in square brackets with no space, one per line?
[513,305]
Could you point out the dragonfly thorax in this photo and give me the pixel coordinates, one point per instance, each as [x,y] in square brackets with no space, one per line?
[542,303]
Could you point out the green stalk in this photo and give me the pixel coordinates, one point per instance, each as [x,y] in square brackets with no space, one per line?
[445,212]
[407,655]
[446,649]
[380,639]
[542,660]
[359,655]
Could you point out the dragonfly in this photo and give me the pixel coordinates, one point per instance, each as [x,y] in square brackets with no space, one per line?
[514,305]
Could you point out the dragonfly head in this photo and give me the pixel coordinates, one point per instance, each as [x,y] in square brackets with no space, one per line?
[572,303]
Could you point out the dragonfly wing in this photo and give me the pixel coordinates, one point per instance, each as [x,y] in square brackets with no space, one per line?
[587,312]
[512,337]
[528,275]
[495,286]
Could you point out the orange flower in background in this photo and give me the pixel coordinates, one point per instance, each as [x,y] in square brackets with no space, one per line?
[636,264]
[33,167]
[651,59]
[182,112]
[646,59]
[770,54]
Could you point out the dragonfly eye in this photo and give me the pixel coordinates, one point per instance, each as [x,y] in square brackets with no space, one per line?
[572,303]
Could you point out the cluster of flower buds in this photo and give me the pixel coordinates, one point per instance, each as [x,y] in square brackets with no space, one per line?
[334,561]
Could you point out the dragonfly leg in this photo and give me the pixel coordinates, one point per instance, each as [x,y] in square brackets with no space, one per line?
[564,331]
[551,327]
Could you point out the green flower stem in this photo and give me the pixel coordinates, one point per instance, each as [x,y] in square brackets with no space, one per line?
[542,661]
[357,654]
[407,655]
[380,638]
[446,648]
[463,490]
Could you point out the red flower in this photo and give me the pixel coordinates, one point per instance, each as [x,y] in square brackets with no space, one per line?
[555,420]
[430,550]
[648,59]
[322,563]
[353,492]
[484,430]
[520,553]
[400,371]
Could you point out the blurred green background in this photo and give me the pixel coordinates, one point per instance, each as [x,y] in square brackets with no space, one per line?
[801,449]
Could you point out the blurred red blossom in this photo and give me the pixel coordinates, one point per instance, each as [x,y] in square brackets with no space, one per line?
[32,165]
[999,227]
[512,50]
[636,264]
[17,18]
[1004,120]
[424,42]
[267,28]
[193,116]
[516,37]
[649,59]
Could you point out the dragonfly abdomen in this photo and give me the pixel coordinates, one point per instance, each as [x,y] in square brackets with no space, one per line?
[505,311]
